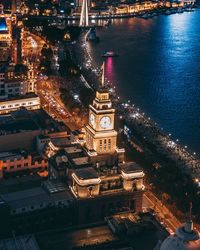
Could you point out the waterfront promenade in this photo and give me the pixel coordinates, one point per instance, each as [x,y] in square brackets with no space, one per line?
[164,144]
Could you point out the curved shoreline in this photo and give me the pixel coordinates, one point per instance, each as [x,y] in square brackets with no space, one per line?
[164,144]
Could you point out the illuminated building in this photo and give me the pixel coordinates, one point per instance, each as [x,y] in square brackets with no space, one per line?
[19,129]
[100,180]
[11,162]
[29,101]
[5,38]
[16,48]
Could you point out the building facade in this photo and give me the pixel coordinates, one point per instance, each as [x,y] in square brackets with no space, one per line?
[99,179]
[29,101]
[11,162]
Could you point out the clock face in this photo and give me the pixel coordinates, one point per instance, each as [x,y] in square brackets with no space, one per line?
[105,122]
[92,119]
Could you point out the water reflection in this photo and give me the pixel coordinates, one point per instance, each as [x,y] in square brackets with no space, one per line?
[158,69]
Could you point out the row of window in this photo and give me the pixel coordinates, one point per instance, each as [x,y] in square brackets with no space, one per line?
[16,166]
[16,105]
[42,205]
[104,145]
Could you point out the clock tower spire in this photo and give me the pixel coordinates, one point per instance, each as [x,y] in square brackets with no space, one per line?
[100,133]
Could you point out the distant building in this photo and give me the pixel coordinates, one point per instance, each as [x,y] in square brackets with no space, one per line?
[19,130]
[16,161]
[30,205]
[28,101]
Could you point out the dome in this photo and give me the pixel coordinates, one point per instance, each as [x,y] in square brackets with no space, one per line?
[185,239]
[172,242]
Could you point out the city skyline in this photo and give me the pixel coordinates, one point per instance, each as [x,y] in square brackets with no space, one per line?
[88,93]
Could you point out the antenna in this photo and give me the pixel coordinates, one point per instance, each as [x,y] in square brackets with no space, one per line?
[103,75]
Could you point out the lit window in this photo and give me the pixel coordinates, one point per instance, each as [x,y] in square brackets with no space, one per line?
[105,142]
[109,144]
[100,145]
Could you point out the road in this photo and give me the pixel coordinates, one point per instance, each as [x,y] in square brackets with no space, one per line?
[46,89]
[161,212]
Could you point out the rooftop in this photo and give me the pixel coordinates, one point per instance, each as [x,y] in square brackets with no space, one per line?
[15,126]
[24,120]
[130,167]
[86,173]
[14,98]
[81,161]
[72,150]
[13,243]
[11,155]
[34,196]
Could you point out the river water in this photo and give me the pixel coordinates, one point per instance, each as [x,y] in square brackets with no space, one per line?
[158,69]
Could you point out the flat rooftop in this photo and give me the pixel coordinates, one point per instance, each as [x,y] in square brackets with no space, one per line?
[23,120]
[76,238]
[81,161]
[61,141]
[11,155]
[86,173]
[13,243]
[13,126]
[130,167]
[34,196]
[18,184]
[72,150]
[14,98]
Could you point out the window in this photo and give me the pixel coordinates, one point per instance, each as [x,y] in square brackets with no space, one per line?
[19,166]
[105,142]
[11,167]
[26,164]
[100,145]
[109,144]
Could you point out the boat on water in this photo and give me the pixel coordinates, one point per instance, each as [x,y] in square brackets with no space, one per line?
[110,54]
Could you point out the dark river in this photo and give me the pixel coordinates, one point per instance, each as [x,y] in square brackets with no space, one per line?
[158,69]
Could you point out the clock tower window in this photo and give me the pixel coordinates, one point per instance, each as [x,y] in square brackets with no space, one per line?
[109,144]
[100,145]
[105,144]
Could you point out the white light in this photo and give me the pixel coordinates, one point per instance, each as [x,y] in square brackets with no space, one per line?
[76,97]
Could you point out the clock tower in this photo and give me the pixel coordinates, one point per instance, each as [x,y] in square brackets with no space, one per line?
[100,133]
